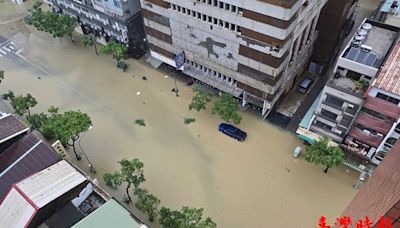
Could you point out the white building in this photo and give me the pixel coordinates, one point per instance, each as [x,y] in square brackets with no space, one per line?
[252,49]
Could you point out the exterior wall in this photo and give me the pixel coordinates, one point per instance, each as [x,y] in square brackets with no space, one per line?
[336,18]
[346,113]
[104,19]
[249,43]
[380,194]
[356,67]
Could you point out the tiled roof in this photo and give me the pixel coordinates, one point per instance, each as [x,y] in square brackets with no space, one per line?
[24,158]
[9,126]
[389,77]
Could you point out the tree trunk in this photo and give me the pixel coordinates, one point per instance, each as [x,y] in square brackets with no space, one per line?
[127,192]
[76,154]
[95,48]
[326,169]
[29,112]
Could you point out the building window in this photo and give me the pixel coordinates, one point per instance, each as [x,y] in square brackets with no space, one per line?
[333,101]
[116,4]
[373,113]
[323,126]
[388,98]
[328,114]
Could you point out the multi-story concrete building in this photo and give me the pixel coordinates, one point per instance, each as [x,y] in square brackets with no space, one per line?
[253,49]
[117,20]
[335,23]
[377,126]
[356,68]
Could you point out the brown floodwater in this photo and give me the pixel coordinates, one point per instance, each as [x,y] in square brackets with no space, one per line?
[256,183]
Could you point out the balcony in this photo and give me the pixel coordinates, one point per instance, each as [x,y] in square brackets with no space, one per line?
[382,106]
[351,147]
[373,123]
[346,121]
[332,105]
[369,139]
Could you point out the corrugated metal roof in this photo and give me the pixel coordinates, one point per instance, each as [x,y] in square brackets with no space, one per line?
[10,126]
[16,163]
[50,183]
[389,77]
[15,210]
[28,196]
[111,214]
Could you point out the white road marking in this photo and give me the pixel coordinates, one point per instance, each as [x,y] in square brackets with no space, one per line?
[10,46]
[3,52]
[6,49]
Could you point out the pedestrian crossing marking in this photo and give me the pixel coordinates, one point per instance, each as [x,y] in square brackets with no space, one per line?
[3,52]
[11,47]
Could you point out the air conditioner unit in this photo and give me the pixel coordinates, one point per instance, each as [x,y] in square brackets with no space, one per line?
[366,48]
[366,132]
[337,131]
[350,105]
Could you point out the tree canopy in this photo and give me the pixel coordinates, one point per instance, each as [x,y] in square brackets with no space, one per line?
[227,108]
[66,126]
[200,100]
[131,173]
[187,217]
[321,153]
[58,25]
[147,203]
[117,50]
[89,40]
[21,104]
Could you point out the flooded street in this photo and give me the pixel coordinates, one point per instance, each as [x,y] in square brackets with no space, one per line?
[252,184]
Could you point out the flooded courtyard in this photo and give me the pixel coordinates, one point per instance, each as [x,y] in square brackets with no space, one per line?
[256,183]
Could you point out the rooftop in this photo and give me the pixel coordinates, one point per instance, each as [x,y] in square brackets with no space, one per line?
[347,84]
[24,158]
[26,198]
[10,126]
[374,35]
[111,214]
[388,78]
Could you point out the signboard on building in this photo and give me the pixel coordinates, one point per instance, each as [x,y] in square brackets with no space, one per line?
[179,60]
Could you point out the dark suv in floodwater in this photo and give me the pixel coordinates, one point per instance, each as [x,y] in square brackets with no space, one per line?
[232,131]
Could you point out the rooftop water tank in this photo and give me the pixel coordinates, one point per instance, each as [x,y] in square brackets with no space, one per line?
[362,32]
[366,26]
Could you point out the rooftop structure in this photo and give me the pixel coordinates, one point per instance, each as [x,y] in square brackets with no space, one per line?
[388,12]
[28,197]
[380,196]
[10,127]
[388,78]
[25,157]
[111,214]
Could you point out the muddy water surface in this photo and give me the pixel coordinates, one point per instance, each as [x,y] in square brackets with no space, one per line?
[252,184]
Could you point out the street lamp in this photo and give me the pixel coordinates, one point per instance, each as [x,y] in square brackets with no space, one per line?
[91,167]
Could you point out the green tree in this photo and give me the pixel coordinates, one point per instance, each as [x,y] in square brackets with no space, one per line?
[90,40]
[188,217]
[68,126]
[58,25]
[200,100]
[118,51]
[21,104]
[227,108]
[1,75]
[320,152]
[65,26]
[131,173]
[147,203]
